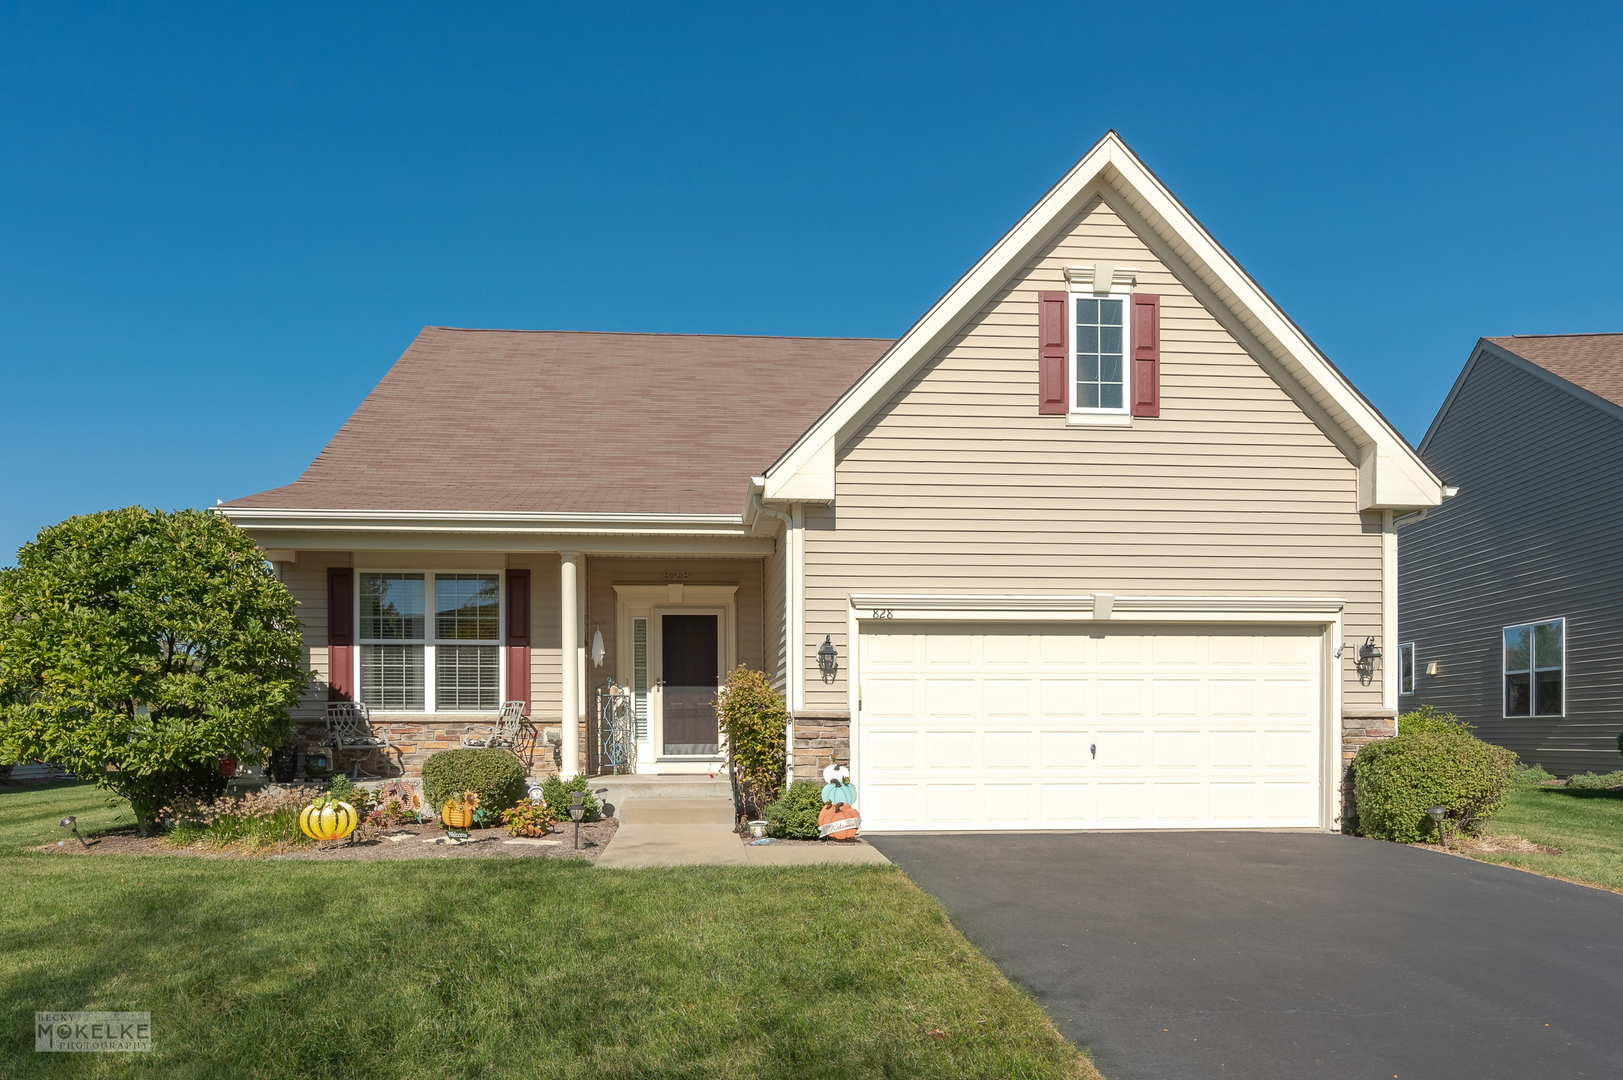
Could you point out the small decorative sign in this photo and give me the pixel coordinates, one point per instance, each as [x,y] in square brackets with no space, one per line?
[93,1032]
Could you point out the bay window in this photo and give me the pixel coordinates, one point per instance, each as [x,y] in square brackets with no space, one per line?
[408,660]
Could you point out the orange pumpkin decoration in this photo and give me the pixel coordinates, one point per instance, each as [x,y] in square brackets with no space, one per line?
[838,821]
[457,813]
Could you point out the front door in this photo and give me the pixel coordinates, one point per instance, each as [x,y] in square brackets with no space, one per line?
[690,671]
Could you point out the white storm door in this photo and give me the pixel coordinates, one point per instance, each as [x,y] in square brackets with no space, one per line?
[1015,726]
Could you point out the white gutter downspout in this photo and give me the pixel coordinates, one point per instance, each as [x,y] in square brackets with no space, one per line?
[791,582]
[1390,662]
[791,631]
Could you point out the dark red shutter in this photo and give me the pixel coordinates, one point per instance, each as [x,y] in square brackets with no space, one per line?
[1053,316]
[1146,354]
[340,633]
[518,637]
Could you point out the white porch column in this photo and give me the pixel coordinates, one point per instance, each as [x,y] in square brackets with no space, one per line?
[569,673]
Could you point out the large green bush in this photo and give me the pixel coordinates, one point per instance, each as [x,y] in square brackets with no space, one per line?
[496,776]
[1433,761]
[794,815]
[138,648]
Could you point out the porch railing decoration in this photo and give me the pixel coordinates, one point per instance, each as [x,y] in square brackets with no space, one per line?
[616,728]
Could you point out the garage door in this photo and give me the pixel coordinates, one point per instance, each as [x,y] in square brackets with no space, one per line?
[1088,727]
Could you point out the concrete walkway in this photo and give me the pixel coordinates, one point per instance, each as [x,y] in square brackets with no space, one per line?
[682,821]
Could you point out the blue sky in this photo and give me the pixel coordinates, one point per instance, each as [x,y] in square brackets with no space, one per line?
[219,225]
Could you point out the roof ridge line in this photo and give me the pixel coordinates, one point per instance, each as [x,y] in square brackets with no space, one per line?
[641,333]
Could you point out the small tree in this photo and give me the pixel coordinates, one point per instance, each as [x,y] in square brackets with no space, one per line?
[754,720]
[138,648]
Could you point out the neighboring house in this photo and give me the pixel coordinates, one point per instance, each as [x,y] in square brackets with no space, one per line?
[1512,592]
[1080,550]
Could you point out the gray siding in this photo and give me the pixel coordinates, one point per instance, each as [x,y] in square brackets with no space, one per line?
[1533,534]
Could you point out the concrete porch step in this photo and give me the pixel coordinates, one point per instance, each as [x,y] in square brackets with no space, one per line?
[675,812]
[648,787]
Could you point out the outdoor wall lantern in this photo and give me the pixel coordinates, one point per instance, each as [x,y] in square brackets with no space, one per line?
[1368,653]
[828,661]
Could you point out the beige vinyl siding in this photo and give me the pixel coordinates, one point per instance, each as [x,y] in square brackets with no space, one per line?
[603,574]
[546,634]
[307,581]
[957,485]
[776,639]
[1532,535]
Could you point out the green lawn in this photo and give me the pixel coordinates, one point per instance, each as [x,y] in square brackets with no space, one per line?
[1586,825]
[479,968]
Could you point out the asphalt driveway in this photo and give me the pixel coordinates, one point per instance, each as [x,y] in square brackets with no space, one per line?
[1182,955]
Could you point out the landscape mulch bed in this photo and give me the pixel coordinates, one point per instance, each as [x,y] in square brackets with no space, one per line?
[411,844]
[1490,845]
[854,842]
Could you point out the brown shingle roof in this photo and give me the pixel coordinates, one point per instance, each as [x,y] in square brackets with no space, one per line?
[507,420]
[1592,361]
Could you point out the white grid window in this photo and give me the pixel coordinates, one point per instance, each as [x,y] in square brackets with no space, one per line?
[1535,669]
[1406,668]
[403,668]
[1098,354]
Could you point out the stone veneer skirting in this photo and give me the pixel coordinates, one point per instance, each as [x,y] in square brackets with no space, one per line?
[414,741]
[1358,728]
[820,739]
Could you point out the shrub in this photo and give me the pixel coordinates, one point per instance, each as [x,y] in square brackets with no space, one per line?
[496,776]
[532,817]
[1593,781]
[1434,760]
[555,793]
[754,720]
[254,820]
[138,648]
[1532,774]
[794,815]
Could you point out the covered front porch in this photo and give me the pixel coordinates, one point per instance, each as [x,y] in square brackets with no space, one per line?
[434,633]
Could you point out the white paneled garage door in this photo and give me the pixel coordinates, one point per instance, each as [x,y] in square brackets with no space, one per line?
[1092,726]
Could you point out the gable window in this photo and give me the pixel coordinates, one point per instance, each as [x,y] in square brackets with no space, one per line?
[1098,354]
[1535,668]
[1406,668]
[408,660]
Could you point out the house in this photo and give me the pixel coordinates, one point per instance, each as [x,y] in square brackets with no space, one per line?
[1511,594]
[1095,544]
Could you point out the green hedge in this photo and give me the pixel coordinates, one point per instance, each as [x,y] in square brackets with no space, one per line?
[1433,761]
[794,815]
[496,776]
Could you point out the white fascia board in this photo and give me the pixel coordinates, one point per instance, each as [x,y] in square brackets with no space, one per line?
[870,608]
[1399,479]
[272,520]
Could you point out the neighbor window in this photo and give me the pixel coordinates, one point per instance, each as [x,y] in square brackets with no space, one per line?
[1535,668]
[1406,668]
[1098,354]
[406,661]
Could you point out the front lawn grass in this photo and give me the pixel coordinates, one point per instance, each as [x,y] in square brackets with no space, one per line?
[30,813]
[497,968]
[1587,825]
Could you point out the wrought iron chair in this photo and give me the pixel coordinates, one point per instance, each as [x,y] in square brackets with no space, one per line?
[504,734]
[349,727]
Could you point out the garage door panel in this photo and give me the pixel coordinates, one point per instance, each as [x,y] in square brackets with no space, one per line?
[1008,750]
[1116,727]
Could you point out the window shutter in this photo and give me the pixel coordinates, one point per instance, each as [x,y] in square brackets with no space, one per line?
[518,637]
[1146,354]
[1052,351]
[340,633]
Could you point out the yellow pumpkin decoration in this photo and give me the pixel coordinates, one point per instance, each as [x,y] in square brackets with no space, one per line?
[457,813]
[327,820]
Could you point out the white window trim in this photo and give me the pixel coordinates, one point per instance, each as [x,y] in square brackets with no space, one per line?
[1075,414]
[1532,671]
[429,641]
[1414,669]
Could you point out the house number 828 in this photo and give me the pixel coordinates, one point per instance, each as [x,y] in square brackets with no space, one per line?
[883,613]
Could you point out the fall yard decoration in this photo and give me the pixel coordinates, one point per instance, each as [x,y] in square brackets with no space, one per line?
[327,819]
[457,813]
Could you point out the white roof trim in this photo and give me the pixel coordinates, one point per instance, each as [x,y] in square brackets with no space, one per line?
[465,521]
[1392,475]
